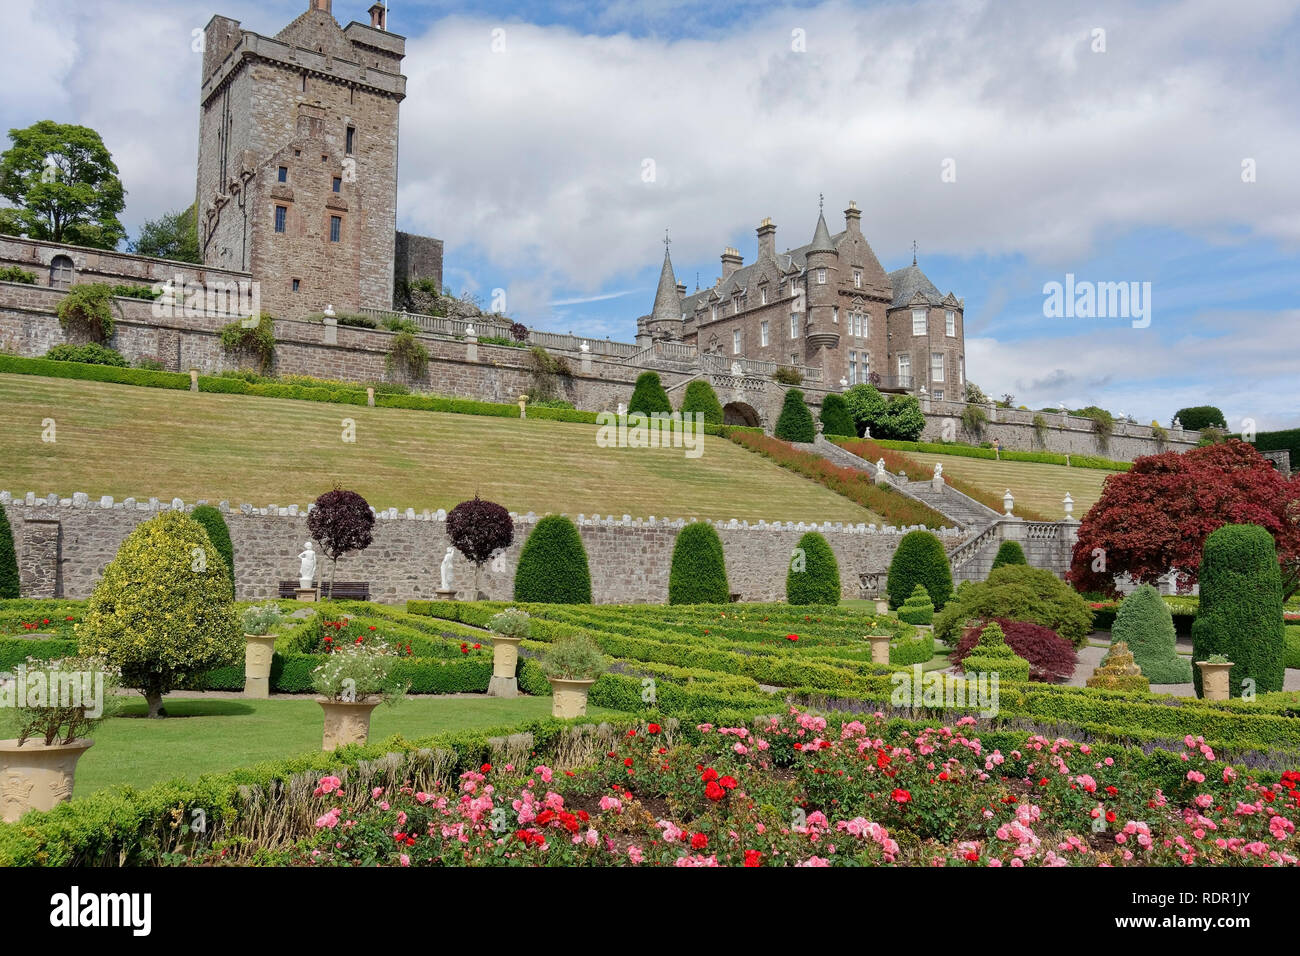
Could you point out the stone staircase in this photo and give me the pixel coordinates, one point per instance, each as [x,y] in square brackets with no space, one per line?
[965,511]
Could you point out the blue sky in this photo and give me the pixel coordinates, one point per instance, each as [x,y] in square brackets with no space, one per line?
[528,127]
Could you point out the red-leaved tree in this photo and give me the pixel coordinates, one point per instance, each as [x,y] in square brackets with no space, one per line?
[479,529]
[1156,517]
[342,522]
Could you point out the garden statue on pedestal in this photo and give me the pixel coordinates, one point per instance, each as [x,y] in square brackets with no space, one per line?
[936,482]
[307,574]
[447,592]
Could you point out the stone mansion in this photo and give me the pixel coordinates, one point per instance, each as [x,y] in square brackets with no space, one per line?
[827,305]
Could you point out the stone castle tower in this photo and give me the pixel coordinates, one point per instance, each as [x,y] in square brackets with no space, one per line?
[297,171]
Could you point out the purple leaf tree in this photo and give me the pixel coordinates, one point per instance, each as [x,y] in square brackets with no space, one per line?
[479,529]
[342,522]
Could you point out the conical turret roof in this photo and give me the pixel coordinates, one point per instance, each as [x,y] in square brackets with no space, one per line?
[821,240]
[668,304]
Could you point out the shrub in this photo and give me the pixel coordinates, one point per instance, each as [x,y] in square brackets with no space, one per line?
[553,565]
[1291,649]
[215,525]
[87,310]
[700,397]
[260,618]
[342,522]
[649,396]
[1040,430]
[795,422]
[256,341]
[398,324]
[48,719]
[1199,417]
[787,375]
[902,419]
[1119,672]
[866,404]
[479,530]
[1146,625]
[407,355]
[835,417]
[991,655]
[162,613]
[544,373]
[356,671]
[1050,656]
[92,353]
[917,609]
[17,274]
[814,574]
[518,332]
[920,559]
[512,622]
[1240,613]
[8,559]
[1009,553]
[699,569]
[973,420]
[574,658]
[1020,593]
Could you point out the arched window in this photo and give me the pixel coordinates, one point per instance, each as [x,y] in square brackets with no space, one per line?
[60,272]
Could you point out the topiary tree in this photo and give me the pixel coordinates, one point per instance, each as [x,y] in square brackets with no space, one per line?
[553,565]
[920,559]
[162,613]
[649,396]
[1240,614]
[1199,417]
[699,570]
[479,530]
[795,422]
[1051,657]
[9,581]
[215,525]
[992,655]
[836,418]
[1010,552]
[814,574]
[866,404]
[1145,624]
[700,397]
[1021,593]
[917,609]
[342,522]
[1118,671]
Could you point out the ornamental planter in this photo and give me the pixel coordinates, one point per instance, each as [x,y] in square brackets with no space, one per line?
[346,721]
[1214,680]
[37,776]
[879,648]
[569,697]
[259,649]
[505,658]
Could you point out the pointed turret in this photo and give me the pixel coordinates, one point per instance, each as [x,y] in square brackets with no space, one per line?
[821,240]
[665,320]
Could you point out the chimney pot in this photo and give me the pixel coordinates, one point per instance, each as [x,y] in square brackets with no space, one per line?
[766,239]
[379,16]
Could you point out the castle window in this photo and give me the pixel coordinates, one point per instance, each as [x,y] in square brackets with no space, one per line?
[296,284]
[735,342]
[762,295]
[281,215]
[853,368]
[352,140]
[715,311]
[857,278]
[866,367]
[794,325]
[961,374]
[835,315]
[336,227]
[762,333]
[950,322]
[60,272]
[938,395]
[918,321]
[821,276]
[283,174]
[338,184]
[905,371]
[936,366]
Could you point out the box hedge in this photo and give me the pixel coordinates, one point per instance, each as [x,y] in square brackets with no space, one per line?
[698,574]
[919,559]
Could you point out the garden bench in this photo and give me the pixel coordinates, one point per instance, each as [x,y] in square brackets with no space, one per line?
[343,590]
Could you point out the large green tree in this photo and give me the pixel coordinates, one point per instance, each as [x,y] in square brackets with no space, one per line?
[173,235]
[63,185]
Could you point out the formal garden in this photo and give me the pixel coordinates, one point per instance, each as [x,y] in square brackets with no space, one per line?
[1021,720]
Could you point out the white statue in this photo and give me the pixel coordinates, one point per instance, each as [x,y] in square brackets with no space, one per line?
[880,465]
[445,569]
[307,572]
[938,469]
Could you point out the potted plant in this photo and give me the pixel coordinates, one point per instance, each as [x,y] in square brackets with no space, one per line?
[259,648]
[879,641]
[352,682]
[572,666]
[509,627]
[1214,677]
[52,705]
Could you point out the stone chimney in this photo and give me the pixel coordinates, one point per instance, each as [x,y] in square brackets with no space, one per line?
[319,5]
[853,219]
[379,16]
[731,261]
[681,289]
[766,239]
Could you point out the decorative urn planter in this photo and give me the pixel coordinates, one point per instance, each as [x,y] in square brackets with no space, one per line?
[569,697]
[259,649]
[346,721]
[1214,680]
[879,648]
[505,659]
[37,776]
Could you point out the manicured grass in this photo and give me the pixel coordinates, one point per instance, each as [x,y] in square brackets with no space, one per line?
[125,441]
[1038,487]
[204,735]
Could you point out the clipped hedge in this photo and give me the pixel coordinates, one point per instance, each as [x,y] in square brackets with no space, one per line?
[215,525]
[1040,457]
[9,581]
[1009,552]
[836,418]
[919,559]
[700,397]
[917,609]
[795,422]
[553,565]
[648,395]
[1145,623]
[814,574]
[698,574]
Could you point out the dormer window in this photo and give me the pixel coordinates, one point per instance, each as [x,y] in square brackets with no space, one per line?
[762,295]
[857,278]
[918,321]
[950,322]
[351,140]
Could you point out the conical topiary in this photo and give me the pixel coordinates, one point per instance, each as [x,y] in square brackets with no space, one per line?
[699,570]
[920,559]
[1118,671]
[992,655]
[795,422]
[700,397]
[1009,553]
[917,609]
[836,418]
[1145,624]
[553,565]
[9,582]
[814,575]
[215,525]
[649,396]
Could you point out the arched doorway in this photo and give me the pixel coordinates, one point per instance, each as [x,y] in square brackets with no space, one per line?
[738,413]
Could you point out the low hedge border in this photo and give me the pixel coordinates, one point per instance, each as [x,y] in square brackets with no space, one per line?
[973,451]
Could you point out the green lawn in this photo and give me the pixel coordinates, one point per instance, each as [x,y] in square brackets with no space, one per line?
[204,735]
[123,440]
[1038,487]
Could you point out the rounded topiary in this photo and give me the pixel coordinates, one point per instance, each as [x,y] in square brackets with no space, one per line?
[162,613]
[992,655]
[796,421]
[917,609]
[836,417]
[215,525]
[920,559]
[1009,553]
[814,574]
[699,569]
[553,565]
[700,397]
[1145,624]
[1021,593]
[649,396]
[9,582]
[1240,613]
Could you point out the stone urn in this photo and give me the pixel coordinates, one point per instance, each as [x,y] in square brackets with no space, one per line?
[1214,680]
[346,721]
[259,649]
[879,648]
[505,659]
[37,776]
[569,697]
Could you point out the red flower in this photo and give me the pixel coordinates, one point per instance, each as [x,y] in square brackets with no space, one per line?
[372,627]
[1112,790]
[627,762]
[900,796]
[972,856]
[477,646]
[699,841]
[68,618]
[652,728]
[584,816]
[752,857]
[545,817]
[486,768]
[728,782]
[399,837]
[713,791]
[943,775]
[792,637]
[709,774]
[569,821]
